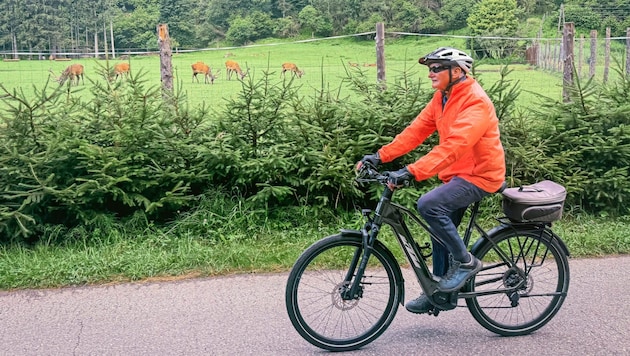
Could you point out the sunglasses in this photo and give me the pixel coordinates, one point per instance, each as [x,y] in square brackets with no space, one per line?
[438,69]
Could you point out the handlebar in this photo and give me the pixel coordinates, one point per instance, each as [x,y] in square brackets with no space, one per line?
[368,173]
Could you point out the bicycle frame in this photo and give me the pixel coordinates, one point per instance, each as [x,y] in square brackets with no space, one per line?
[347,304]
[390,213]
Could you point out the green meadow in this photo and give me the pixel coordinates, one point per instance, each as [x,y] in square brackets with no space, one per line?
[326,63]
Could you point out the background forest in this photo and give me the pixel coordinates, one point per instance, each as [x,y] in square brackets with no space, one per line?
[77,26]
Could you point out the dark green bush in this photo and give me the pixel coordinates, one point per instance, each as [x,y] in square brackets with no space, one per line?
[74,162]
[293,150]
[67,161]
[587,143]
[127,155]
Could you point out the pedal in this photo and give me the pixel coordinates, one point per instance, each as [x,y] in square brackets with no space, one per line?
[445,301]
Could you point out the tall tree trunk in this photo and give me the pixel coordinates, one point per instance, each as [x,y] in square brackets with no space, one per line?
[72,48]
[14,43]
[96,44]
[111,38]
[105,41]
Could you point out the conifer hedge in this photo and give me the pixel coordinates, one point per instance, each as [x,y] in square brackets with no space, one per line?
[70,161]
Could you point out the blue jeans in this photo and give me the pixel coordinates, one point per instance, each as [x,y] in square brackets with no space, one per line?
[443,208]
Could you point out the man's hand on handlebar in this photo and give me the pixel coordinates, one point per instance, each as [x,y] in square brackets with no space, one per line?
[373,159]
[399,178]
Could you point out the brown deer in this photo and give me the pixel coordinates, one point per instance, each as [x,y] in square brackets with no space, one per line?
[202,68]
[72,72]
[291,67]
[233,67]
[121,69]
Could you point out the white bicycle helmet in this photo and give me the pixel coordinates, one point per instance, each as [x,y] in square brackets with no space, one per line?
[448,54]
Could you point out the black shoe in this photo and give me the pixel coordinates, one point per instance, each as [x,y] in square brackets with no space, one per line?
[461,272]
[420,305]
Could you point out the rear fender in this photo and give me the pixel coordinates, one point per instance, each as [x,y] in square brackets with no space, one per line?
[527,227]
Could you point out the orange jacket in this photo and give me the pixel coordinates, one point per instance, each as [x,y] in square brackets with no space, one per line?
[469,144]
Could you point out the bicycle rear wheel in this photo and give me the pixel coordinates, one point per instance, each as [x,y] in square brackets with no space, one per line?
[315,304]
[540,269]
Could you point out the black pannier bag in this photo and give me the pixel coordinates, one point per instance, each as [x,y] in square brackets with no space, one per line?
[542,201]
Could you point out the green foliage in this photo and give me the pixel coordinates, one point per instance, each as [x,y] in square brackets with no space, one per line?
[584,144]
[132,28]
[488,15]
[407,17]
[291,153]
[73,162]
[285,27]
[65,161]
[125,154]
[176,14]
[493,18]
[312,20]
[255,26]
[354,26]
[582,17]
[454,14]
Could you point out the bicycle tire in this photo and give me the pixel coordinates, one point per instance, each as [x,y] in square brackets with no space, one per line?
[540,262]
[315,306]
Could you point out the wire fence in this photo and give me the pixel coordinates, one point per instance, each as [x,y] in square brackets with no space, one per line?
[326,62]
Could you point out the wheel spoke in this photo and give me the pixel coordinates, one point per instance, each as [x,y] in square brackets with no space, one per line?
[532,271]
[314,295]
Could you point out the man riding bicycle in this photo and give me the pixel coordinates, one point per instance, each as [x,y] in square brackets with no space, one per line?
[468,159]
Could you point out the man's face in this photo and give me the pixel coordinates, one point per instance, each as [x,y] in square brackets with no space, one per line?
[438,73]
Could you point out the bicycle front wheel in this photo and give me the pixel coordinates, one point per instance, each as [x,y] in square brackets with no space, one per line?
[315,286]
[533,270]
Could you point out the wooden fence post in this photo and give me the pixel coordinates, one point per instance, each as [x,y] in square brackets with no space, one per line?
[580,55]
[554,59]
[567,43]
[593,58]
[607,55]
[380,54]
[547,54]
[628,52]
[166,67]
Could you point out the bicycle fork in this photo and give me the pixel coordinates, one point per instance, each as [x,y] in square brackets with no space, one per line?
[369,234]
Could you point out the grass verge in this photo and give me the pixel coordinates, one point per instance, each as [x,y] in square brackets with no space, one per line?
[271,246]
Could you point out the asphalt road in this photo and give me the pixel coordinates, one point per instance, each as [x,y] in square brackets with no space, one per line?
[245,315]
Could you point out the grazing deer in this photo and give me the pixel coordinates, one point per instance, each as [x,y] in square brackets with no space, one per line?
[121,69]
[202,68]
[72,72]
[292,68]
[233,67]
